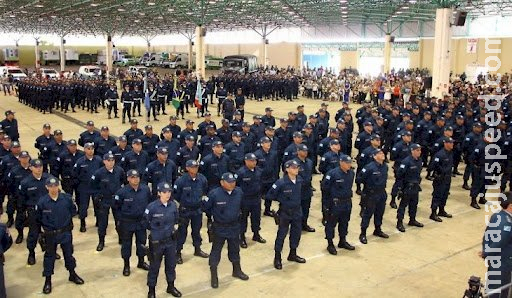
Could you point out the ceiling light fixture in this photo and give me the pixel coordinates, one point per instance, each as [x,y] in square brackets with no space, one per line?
[94,4]
[151,3]
[121,9]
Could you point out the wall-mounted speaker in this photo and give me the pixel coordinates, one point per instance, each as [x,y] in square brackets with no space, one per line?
[392,38]
[266,41]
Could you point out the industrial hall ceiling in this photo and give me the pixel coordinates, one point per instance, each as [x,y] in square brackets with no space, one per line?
[147,18]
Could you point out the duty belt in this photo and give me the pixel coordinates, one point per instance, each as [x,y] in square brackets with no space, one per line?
[58,231]
[163,241]
[339,201]
[225,225]
[133,220]
[189,208]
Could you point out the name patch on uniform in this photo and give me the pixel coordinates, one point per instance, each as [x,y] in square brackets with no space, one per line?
[221,203]
[158,215]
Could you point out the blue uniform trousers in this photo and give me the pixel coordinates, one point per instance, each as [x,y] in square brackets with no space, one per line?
[195,218]
[289,220]
[229,233]
[65,240]
[375,206]
[340,215]
[159,251]
[250,207]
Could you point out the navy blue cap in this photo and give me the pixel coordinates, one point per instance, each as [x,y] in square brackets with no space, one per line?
[147,127]
[108,156]
[341,121]
[415,146]
[224,120]
[237,112]
[268,127]
[207,114]
[24,154]
[345,158]
[122,139]
[302,147]
[166,129]
[246,124]
[448,140]
[189,121]
[291,163]
[376,151]
[57,132]
[334,142]
[236,134]
[15,144]
[103,128]
[217,143]
[209,126]
[448,128]
[333,130]
[228,177]
[428,113]
[36,163]
[477,124]
[191,163]
[297,134]
[441,119]
[162,150]
[190,138]
[268,109]
[46,125]
[52,181]
[406,114]
[283,120]
[134,121]
[256,117]
[368,123]
[406,134]
[374,136]
[250,156]
[71,142]
[89,145]
[265,140]
[133,173]
[409,122]
[164,187]
[9,112]
[136,141]
[308,126]
[460,117]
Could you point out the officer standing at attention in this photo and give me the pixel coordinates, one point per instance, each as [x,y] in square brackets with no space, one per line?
[441,168]
[111,96]
[160,218]
[188,191]
[42,143]
[269,165]
[31,189]
[248,178]
[374,177]
[55,212]
[287,191]
[105,182]
[10,126]
[129,204]
[305,172]
[214,165]
[497,245]
[5,244]
[337,202]
[83,170]
[160,170]
[127,100]
[408,181]
[223,205]
[89,135]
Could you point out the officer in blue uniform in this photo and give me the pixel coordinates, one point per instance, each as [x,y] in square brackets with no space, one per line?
[160,170]
[235,150]
[223,205]
[441,168]
[374,177]
[291,151]
[481,156]
[133,132]
[83,170]
[188,152]
[121,149]
[287,191]
[160,218]
[89,135]
[104,143]
[305,172]
[408,181]
[398,153]
[337,202]
[42,143]
[172,144]
[214,165]
[269,165]
[188,191]
[54,213]
[497,249]
[130,203]
[248,178]
[137,159]
[14,178]
[111,97]
[30,190]
[105,182]
[149,142]
[5,244]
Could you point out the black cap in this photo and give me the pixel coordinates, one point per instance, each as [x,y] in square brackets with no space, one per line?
[302,147]
[9,112]
[46,125]
[283,120]
[36,163]
[190,138]
[207,114]
[448,140]
[333,130]
[268,127]
[448,128]
[415,146]
[24,154]
[265,140]
[15,144]
[148,127]
[136,141]
[108,156]
[122,139]
[375,137]
[166,129]
[89,145]
[368,123]
[406,134]
[236,134]
[104,128]
[334,142]
[228,177]
[132,173]
[250,156]
[71,142]
[191,163]
[57,132]
[134,121]
[189,121]
[217,143]
[291,163]
[164,187]
[268,109]
[162,150]
[90,123]
[52,181]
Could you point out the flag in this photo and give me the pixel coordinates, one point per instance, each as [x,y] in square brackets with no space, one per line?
[199,95]
[175,99]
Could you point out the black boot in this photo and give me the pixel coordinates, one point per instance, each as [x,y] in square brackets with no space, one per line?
[378,232]
[82,226]
[330,247]
[101,244]
[31,257]
[466,186]
[257,237]
[126,269]
[73,277]
[151,292]
[10,221]
[238,273]
[434,217]
[362,237]
[414,223]
[142,265]
[243,242]
[293,257]
[277,261]
[268,212]
[443,213]
[214,277]
[474,204]
[179,259]
[307,228]
[345,245]
[19,239]
[400,225]
[171,289]
[482,200]
[392,204]
[199,253]
[47,288]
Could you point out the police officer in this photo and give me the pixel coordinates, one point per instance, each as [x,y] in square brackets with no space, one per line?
[398,153]
[64,166]
[55,212]
[374,177]
[160,218]
[14,178]
[130,203]
[137,159]
[30,190]
[305,172]
[42,143]
[127,100]
[269,165]
[121,149]
[187,152]
[105,182]
[337,202]
[235,151]
[441,168]
[149,142]
[248,178]
[172,144]
[137,96]
[10,125]
[89,135]
[188,191]
[5,244]
[223,205]
[104,143]
[133,132]
[287,191]
[214,165]
[408,185]
[111,97]
[481,156]
[160,170]
[83,170]
[497,251]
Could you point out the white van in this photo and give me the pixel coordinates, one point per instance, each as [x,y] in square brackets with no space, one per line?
[89,71]
[181,61]
[14,71]
[49,72]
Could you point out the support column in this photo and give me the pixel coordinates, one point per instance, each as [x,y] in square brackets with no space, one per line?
[200,65]
[149,46]
[387,53]
[108,58]
[62,54]
[265,51]
[38,56]
[442,56]
[190,44]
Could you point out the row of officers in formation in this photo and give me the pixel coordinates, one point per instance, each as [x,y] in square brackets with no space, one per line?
[165,183]
[69,94]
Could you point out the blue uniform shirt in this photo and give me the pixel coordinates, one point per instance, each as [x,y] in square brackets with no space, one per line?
[287,193]
[55,214]
[161,219]
[188,191]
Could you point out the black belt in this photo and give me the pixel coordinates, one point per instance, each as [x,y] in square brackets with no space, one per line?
[58,231]
[185,208]
[339,201]
[225,225]
[290,209]
[130,219]
[163,241]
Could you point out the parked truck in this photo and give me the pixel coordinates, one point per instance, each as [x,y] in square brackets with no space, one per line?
[181,61]
[9,56]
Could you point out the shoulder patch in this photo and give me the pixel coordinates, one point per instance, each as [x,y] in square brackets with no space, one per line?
[146,211]
[363,170]
[274,186]
[402,166]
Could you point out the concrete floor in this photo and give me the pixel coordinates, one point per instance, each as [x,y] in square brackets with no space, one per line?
[435,261]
